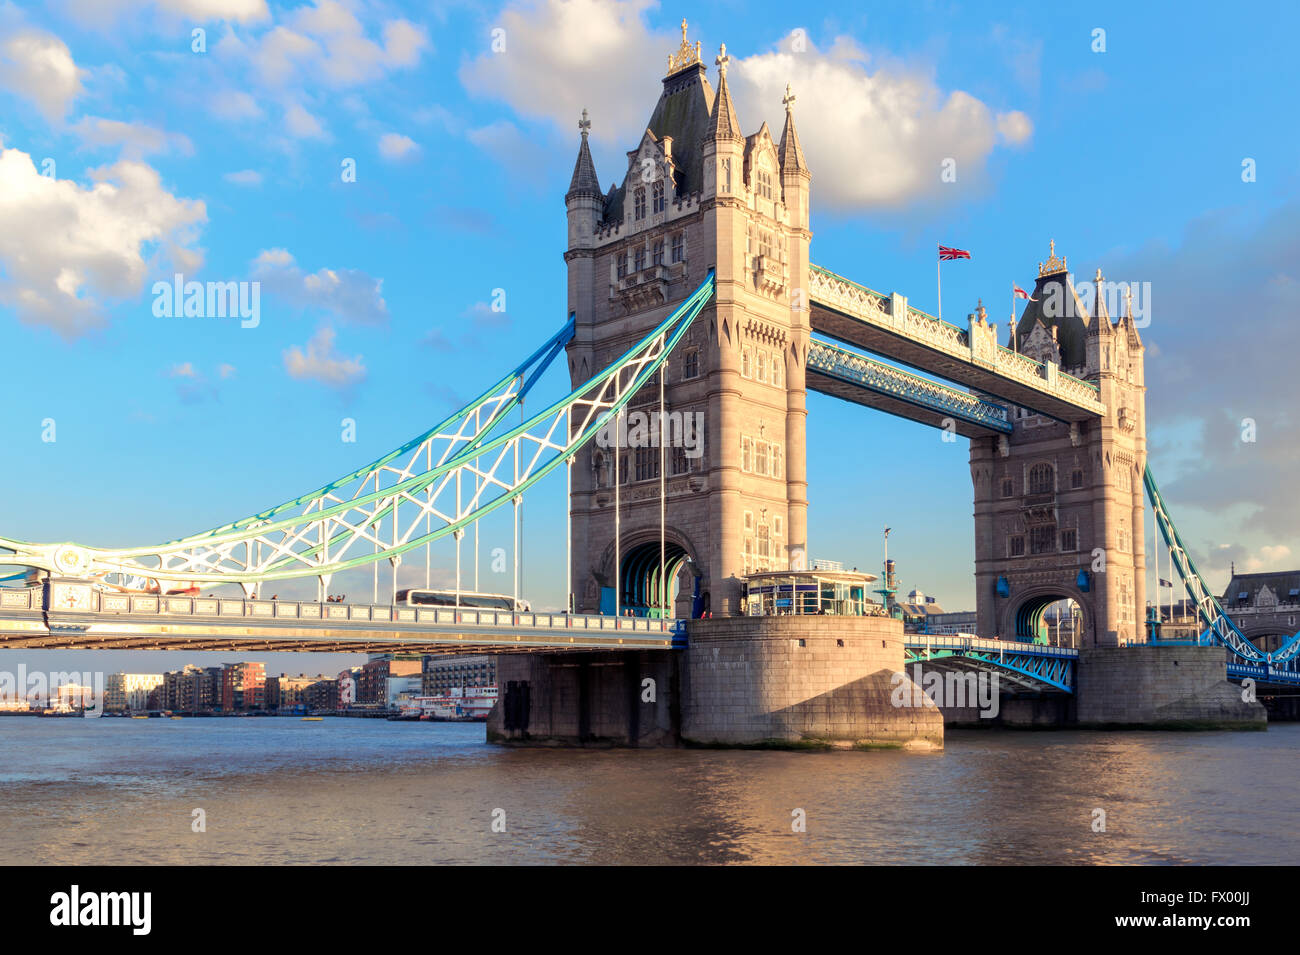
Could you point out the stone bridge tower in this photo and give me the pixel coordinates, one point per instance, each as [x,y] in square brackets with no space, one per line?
[1058,506]
[697,195]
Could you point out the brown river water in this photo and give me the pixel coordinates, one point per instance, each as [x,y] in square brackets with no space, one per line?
[274,791]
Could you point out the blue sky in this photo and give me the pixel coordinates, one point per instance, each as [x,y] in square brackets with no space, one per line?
[226,165]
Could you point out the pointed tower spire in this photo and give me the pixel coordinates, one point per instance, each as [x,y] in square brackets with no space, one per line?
[1099,311]
[790,152]
[725,124]
[584,181]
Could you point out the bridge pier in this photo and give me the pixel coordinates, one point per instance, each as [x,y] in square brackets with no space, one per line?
[798,681]
[1161,687]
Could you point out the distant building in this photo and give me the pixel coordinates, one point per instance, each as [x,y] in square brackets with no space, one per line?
[286,692]
[322,695]
[191,689]
[348,685]
[961,621]
[129,691]
[917,609]
[1265,607]
[442,674]
[243,687]
[374,678]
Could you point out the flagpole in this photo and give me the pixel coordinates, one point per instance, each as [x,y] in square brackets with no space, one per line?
[1013,316]
[938,278]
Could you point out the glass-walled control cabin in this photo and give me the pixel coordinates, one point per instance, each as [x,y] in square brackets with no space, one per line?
[784,592]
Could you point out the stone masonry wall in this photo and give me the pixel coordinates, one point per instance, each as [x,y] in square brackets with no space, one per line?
[1155,686]
[750,680]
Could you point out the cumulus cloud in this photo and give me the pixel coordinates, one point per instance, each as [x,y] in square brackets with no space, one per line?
[1222,424]
[66,247]
[348,294]
[558,62]
[318,361]
[38,67]
[326,43]
[235,105]
[135,140]
[201,11]
[302,124]
[1015,127]
[874,138]
[395,146]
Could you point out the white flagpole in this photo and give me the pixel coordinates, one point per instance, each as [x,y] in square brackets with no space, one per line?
[938,277]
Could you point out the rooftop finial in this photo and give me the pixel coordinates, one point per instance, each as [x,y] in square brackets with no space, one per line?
[1053,265]
[788,101]
[685,56]
[584,124]
[722,61]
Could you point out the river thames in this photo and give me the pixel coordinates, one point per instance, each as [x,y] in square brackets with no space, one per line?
[116,791]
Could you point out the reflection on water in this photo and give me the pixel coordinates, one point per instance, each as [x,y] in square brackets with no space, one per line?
[368,791]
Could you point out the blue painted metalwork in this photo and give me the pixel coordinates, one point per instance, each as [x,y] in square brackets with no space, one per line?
[1222,630]
[854,369]
[1040,667]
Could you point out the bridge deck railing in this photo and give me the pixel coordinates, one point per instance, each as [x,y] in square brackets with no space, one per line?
[224,608]
[938,641]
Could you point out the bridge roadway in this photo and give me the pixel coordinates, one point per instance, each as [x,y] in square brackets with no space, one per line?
[887,325]
[84,618]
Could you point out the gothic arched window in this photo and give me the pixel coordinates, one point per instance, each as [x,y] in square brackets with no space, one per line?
[1041,479]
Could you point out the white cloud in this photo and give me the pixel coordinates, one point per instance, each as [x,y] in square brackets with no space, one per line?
[235,105]
[1015,127]
[244,177]
[349,294]
[182,370]
[135,139]
[303,124]
[39,67]
[563,56]
[327,43]
[872,138]
[201,11]
[318,361]
[65,246]
[396,146]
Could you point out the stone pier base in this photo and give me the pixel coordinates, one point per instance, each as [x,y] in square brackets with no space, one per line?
[1159,687]
[744,681]
[802,681]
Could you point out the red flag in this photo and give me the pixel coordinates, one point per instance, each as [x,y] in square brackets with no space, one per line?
[1018,292]
[947,255]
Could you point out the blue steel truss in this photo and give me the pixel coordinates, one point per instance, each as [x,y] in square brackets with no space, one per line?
[854,369]
[1032,665]
[1221,629]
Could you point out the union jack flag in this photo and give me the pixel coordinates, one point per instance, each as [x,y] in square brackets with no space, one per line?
[947,255]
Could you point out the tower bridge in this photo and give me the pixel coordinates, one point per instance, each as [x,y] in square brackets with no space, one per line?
[690,290]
